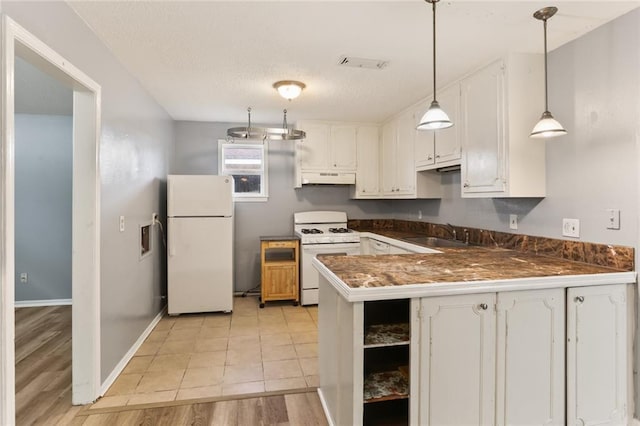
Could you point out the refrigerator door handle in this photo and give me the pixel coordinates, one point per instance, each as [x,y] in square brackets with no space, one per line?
[172,244]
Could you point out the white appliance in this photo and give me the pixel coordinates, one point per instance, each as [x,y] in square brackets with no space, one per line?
[200,243]
[321,232]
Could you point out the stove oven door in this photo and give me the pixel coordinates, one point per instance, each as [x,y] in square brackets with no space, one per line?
[310,277]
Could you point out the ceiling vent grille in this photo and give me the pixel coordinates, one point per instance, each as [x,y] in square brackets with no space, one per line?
[374,64]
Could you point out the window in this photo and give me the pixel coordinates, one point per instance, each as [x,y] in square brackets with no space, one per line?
[247,163]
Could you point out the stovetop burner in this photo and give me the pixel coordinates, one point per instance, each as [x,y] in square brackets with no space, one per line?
[339,230]
[311,231]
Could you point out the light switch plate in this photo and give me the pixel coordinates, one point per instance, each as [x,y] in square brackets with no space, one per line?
[571,228]
[613,219]
[513,221]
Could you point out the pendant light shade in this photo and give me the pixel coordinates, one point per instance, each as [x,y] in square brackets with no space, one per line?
[547,127]
[435,118]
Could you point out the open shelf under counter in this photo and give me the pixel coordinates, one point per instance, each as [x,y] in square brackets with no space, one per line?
[382,335]
[386,385]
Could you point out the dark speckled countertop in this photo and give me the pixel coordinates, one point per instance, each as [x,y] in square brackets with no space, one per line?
[467,264]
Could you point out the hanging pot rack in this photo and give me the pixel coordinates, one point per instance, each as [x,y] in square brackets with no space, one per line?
[266,133]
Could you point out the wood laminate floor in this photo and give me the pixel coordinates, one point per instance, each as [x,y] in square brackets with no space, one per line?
[299,409]
[43,365]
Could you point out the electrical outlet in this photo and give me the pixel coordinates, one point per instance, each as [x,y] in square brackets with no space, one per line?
[513,221]
[613,219]
[419,214]
[24,277]
[571,228]
[121,223]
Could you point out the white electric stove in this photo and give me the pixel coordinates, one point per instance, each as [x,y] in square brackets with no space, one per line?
[321,232]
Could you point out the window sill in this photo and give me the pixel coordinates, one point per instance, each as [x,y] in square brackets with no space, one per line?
[250,199]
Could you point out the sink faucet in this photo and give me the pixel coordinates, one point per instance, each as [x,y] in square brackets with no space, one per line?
[450,229]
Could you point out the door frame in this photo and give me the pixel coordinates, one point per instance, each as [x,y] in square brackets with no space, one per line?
[85,216]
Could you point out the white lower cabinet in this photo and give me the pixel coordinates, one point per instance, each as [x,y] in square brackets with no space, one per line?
[477,359]
[530,357]
[457,359]
[493,359]
[597,351]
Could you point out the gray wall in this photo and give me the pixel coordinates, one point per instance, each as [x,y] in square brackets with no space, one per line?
[136,144]
[43,183]
[196,152]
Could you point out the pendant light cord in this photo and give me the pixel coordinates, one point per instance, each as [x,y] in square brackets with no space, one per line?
[546,96]
[433,4]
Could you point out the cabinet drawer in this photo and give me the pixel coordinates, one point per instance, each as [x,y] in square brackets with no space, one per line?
[280,244]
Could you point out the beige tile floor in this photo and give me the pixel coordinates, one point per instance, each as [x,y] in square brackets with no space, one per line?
[209,355]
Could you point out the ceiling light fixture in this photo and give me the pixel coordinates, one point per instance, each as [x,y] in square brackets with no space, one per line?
[435,118]
[289,89]
[266,133]
[547,127]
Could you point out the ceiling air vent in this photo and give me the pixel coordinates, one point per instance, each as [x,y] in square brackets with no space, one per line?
[374,64]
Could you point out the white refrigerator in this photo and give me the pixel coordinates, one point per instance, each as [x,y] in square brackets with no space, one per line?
[200,243]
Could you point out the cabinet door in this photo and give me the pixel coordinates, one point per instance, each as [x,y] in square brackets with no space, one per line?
[389,159]
[530,357]
[342,148]
[483,134]
[368,155]
[314,149]
[405,164]
[424,143]
[447,141]
[279,281]
[378,247]
[597,355]
[457,359]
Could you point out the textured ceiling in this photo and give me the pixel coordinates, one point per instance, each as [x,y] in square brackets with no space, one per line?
[209,60]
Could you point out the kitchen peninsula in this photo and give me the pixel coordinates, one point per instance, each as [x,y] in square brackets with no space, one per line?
[473,335]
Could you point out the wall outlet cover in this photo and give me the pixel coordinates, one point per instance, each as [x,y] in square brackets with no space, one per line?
[571,228]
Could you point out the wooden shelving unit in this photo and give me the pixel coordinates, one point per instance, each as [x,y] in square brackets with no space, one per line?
[387,338]
[280,269]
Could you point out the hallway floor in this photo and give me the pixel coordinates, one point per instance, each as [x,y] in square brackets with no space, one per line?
[250,351]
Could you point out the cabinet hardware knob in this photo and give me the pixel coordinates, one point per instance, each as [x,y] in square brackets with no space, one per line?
[483,306]
[466,184]
[438,156]
[429,158]
[579,299]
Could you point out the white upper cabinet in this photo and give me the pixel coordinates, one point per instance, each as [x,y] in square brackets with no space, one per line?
[313,151]
[342,147]
[327,147]
[440,148]
[398,170]
[500,104]
[368,160]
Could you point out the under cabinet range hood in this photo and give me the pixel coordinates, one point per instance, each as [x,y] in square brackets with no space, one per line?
[328,178]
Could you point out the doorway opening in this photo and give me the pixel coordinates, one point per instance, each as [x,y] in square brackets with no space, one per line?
[85,223]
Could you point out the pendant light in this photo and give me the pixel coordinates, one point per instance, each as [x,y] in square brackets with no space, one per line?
[435,118]
[547,127]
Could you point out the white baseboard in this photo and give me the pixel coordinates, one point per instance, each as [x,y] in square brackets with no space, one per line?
[46,302]
[130,353]
[325,408]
